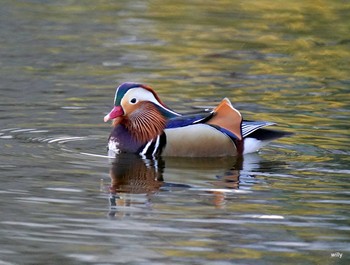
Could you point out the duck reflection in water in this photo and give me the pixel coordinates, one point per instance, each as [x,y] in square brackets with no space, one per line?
[130,175]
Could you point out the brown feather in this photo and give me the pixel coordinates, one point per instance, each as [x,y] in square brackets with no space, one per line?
[117,121]
[145,122]
[227,117]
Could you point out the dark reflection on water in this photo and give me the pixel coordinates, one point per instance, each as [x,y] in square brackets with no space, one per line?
[280,61]
[131,174]
[168,210]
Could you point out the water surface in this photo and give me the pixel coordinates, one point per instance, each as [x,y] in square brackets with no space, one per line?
[64,200]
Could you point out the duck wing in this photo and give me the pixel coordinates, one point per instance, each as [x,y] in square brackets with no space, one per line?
[248,127]
[224,118]
[227,119]
[189,119]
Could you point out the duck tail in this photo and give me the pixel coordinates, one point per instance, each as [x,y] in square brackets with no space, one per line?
[261,137]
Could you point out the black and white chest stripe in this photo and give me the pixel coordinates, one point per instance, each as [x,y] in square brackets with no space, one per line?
[154,147]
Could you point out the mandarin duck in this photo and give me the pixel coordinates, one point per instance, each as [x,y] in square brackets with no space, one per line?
[144,125]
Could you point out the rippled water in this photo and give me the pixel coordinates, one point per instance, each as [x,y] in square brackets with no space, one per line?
[64,200]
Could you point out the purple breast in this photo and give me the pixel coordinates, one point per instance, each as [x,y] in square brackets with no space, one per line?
[123,140]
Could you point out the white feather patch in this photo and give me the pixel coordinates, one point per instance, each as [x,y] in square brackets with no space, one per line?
[141,94]
[113,146]
[252,145]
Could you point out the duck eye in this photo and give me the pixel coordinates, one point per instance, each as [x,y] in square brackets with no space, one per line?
[133,100]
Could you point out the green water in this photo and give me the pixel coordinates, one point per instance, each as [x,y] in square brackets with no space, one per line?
[280,61]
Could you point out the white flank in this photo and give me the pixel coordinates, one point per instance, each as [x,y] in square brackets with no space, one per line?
[252,145]
[198,140]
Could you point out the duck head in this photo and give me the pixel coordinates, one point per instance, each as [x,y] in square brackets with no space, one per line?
[139,109]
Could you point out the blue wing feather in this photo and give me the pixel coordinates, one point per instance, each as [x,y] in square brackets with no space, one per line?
[188,119]
[227,132]
[248,127]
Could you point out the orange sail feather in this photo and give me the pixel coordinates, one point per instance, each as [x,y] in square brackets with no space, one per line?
[227,117]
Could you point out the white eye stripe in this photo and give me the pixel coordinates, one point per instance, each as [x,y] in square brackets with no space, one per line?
[142,94]
[138,93]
